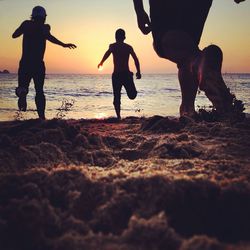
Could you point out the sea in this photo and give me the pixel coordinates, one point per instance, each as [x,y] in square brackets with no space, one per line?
[74,96]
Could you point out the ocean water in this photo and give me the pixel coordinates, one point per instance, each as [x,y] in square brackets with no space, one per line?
[90,96]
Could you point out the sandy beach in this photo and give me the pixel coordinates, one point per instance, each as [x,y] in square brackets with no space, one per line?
[142,183]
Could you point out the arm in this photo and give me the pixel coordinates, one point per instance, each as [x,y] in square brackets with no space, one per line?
[137,64]
[19,31]
[142,17]
[56,41]
[105,57]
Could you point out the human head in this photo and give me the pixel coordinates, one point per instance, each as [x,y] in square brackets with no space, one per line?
[120,35]
[38,14]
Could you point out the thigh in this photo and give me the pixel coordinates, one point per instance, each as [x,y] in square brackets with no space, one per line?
[24,75]
[39,76]
[116,84]
[129,85]
[165,17]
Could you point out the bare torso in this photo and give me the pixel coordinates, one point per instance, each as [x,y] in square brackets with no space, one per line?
[34,41]
[121,52]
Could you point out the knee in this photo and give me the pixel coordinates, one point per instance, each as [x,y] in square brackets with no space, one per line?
[39,91]
[40,94]
[213,51]
[21,91]
[213,56]
[132,96]
[178,46]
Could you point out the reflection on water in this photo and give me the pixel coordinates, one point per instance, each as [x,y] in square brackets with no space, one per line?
[100,115]
[92,96]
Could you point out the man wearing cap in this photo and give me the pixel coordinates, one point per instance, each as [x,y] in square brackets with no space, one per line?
[35,33]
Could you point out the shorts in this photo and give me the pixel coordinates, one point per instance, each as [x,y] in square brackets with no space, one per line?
[125,79]
[184,15]
[28,71]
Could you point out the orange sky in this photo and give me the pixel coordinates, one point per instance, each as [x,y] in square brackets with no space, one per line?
[91,26]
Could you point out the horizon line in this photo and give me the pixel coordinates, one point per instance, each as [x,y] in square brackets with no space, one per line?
[151,73]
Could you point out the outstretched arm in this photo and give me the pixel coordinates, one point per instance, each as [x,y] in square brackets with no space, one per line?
[137,65]
[142,17]
[56,41]
[105,57]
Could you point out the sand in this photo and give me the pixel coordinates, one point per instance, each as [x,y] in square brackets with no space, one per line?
[142,183]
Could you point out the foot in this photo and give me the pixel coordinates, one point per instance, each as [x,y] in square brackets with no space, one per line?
[22,103]
[187,110]
[41,115]
[42,118]
[217,92]
[211,81]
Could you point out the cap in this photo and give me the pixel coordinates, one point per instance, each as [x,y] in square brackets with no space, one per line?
[38,11]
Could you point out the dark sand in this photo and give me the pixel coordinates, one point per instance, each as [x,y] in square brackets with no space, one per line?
[154,183]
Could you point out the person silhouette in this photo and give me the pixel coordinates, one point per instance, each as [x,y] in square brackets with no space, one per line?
[176,29]
[122,76]
[31,66]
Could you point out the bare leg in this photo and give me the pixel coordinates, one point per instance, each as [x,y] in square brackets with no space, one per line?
[117,86]
[40,105]
[24,78]
[179,47]
[22,92]
[189,86]
[118,111]
[40,98]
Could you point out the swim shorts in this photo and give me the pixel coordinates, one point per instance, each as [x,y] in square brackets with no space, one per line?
[125,79]
[28,71]
[184,15]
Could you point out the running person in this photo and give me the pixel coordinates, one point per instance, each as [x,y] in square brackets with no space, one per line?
[35,33]
[176,29]
[121,75]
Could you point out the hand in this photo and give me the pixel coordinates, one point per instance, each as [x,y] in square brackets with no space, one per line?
[144,23]
[138,75]
[70,45]
[238,1]
[99,65]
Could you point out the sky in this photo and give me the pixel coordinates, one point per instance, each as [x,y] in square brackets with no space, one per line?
[91,26]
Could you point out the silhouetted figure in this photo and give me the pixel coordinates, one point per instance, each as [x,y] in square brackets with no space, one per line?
[35,33]
[122,75]
[176,28]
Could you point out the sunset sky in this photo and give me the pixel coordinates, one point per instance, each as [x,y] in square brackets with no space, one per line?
[91,26]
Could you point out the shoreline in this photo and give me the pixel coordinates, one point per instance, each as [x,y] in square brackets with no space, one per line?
[104,74]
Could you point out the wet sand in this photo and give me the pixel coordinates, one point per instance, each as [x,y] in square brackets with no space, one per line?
[142,183]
